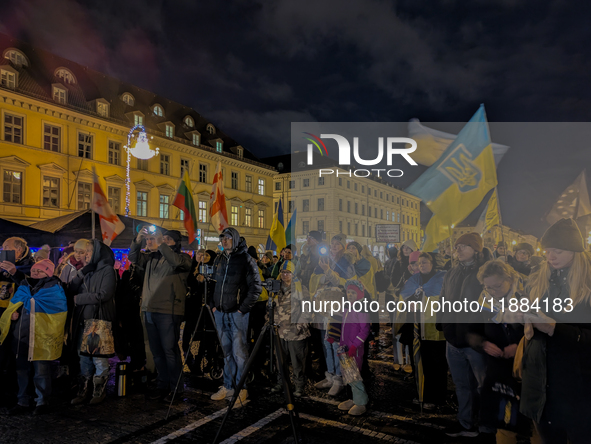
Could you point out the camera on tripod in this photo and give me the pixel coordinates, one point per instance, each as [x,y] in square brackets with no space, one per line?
[206,270]
[272,285]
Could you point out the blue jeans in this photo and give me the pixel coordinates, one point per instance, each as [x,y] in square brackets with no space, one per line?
[233,331]
[333,365]
[468,369]
[42,379]
[164,331]
[90,366]
[359,393]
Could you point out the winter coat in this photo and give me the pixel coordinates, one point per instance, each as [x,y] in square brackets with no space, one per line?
[400,273]
[165,278]
[338,273]
[354,332]
[288,312]
[308,263]
[523,268]
[365,273]
[7,282]
[238,282]
[69,271]
[94,291]
[556,377]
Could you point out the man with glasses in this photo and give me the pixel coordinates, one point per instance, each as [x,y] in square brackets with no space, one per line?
[238,286]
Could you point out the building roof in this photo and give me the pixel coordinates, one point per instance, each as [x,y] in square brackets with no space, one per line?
[36,81]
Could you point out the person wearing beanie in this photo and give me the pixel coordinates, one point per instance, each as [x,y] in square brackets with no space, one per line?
[42,253]
[521,261]
[266,264]
[556,380]
[400,273]
[172,238]
[74,261]
[501,251]
[467,366]
[355,329]
[287,254]
[363,268]
[292,328]
[47,338]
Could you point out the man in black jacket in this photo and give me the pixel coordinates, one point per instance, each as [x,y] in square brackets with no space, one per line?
[238,286]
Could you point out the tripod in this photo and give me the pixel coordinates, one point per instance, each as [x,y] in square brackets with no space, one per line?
[288,396]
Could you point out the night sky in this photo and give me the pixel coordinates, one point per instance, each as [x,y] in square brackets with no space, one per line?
[254,67]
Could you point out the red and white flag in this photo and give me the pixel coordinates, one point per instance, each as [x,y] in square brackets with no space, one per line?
[111,225]
[217,201]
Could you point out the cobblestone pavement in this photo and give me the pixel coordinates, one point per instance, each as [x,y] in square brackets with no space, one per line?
[391,417]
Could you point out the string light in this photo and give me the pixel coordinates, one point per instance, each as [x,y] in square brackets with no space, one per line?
[141,150]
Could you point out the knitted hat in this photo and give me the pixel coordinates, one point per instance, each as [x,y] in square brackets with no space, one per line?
[44,265]
[502,244]
[340,238]
[356,286]
[524,246]
[357,245]
[291,248]
[252,251]
[42,253]
[564,235]
[81,244]
[472,240]
[410,244]
[289,266]
[315,235]
[414,256]
[269,255]
[174,235]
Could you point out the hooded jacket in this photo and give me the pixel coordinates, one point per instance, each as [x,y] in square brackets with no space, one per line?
[238,282]
[95,290]
[165,278]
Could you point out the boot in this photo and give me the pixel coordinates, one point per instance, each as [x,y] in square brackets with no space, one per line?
[337,386]
[326,382]
[83,389]
[100,384]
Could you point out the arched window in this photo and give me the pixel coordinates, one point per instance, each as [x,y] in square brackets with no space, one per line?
[210,128]
[16,57]
[66,75]
[128,99]
[158,110]
[189,122]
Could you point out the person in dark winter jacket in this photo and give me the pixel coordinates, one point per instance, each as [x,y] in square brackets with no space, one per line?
[391,262]
[94,290]
[163,302]
[466,364]
[521,261]
[400,273]
[310,257]
[501,251]
[556,387]
[238,286]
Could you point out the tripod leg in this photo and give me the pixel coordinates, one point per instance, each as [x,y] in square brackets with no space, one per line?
[238,388]
[286,389]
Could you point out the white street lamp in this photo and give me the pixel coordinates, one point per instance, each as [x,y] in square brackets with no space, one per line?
[141,150]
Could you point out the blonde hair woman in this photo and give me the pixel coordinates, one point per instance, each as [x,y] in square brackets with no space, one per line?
[556,391]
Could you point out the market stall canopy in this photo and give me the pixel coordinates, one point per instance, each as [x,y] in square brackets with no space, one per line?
[35,237]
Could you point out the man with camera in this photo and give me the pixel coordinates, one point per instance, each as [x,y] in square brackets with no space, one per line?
[238,286]
[163,301]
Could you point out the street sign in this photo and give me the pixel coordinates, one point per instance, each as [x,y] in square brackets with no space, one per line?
[388,233]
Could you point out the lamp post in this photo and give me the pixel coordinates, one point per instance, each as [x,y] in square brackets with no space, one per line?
[141,150]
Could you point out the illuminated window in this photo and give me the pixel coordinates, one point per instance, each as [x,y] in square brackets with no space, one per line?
[13,128]
[16,57]
[12,186]
[142,204]
[158,110]
[84,195]
[189,122]
[164,206]
[234,216]
[128,99]
[51,192]
[202,211]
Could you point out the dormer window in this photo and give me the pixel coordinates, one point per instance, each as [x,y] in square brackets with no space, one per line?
[8,78]
[102,107]
[16,57]
[210,128]
[128,99]
[240,152]
[158,110]
[60,94]
[169,130]
[196,139]
[138,118]
[189,122]
[65,75]
[219,145]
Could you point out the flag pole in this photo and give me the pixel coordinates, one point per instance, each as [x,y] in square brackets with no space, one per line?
[92,210]
[501,220]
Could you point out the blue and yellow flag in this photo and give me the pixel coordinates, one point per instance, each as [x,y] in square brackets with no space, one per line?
[291,226]
[48,311]
[456,184]
[277,233]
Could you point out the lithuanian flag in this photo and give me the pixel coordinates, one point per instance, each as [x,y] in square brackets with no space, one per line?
[184,202]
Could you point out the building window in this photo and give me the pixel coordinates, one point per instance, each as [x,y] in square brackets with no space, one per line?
[128,99]
[13,128]
[138,119]
[369,211]
[356,229]
[240,152]
[51,192]
[13,186]
[114,196]
[165,164]
[184,166]
[382,214]
[381,195]
[363,189]
[210,128]
[375,193]
[102,109]
[305,227]
[170,131]
[375,212]
[59,95]
[321,225]
[164,206]
[262,187]
[355,185]
[306,205]
[291,184]
[8,79]
[348,206]
[202,173]
[16,57]
[189,122]
[369,191]
[356,208]
[234,216]
[387,215]
[321,204]
[51,137]
[142,204]
[276,205]
[291,206]
[340,204]
[248,217]
[142,164]
[84,196]
[261,218]
[85,145]
[306,183]
[158,111]
[202,211]
[65,75]
[249,184]
[234,185]
[348,227]
[277,186]
[196,139]
[340,226]
[340,181]
[363,210]
[349,184]
[219,146]
[114,153]
[363,230]
[369,231]
[321,181]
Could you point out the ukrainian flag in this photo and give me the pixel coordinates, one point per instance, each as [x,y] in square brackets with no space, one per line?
[277,233]
[48,310]
[460,179]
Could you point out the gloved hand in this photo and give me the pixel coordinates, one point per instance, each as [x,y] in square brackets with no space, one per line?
[88,269]
[352,351]
[330,340]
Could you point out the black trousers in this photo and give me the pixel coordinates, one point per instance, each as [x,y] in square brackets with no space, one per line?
[434,370]
[296,351]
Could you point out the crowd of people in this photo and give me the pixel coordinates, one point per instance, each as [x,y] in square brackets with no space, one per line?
[514,373]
